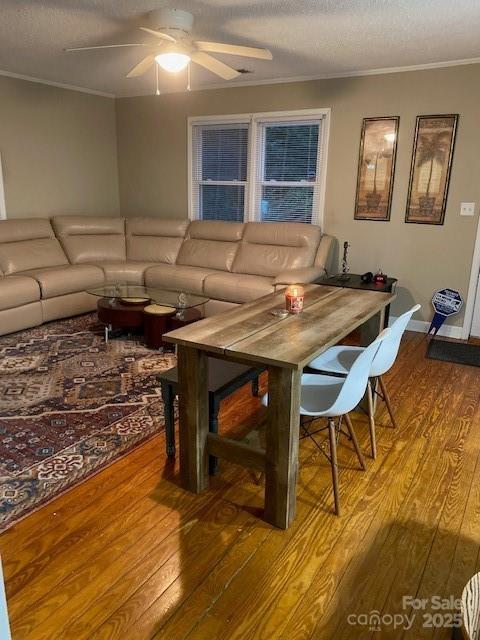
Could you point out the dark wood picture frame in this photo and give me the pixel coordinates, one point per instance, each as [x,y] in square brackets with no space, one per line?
[377,151]
[432,156]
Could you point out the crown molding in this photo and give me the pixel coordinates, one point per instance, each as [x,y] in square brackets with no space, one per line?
[324,76]
[252,83]
[60,85]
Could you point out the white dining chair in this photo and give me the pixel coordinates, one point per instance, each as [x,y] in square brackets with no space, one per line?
[4,626]
[324,396]
[340,359]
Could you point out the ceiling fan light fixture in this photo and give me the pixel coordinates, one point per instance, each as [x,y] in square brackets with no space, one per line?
[173,61]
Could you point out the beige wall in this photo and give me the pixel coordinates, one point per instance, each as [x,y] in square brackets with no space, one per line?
[58,149]
[152,141]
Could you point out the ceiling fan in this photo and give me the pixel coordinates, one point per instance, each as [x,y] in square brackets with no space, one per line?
[176,50]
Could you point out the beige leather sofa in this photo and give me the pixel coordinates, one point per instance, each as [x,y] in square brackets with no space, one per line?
[46,266]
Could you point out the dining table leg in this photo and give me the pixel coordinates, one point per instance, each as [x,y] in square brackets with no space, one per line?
[281,452]
[370,329]
[193,417]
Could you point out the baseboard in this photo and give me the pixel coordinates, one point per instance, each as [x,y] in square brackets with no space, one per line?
[447,330]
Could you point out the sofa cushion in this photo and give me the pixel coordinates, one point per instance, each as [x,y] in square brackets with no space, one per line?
[236,287]
[154,239]
[28,244]
[59,281]
[18,318]
[211,244]
[268,248]
[16,291]
[25,229]
[91,239]
[177,278]
[124,272]
[218,230]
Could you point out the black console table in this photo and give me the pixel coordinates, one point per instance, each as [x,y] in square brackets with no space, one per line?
[354,282]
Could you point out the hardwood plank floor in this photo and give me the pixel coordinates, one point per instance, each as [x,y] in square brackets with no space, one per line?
[130,555]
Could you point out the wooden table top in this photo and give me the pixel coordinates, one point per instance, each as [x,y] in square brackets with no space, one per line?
[252,333]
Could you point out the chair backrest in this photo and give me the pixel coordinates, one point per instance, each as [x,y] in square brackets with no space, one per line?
[389,349]
[356,381]
[4,626]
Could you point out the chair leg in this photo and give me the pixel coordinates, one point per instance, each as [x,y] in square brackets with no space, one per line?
[333,461]
[386,397]
[371,419]
[353,436]
[374,383]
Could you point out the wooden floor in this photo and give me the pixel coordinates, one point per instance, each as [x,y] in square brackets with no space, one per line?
[130,555]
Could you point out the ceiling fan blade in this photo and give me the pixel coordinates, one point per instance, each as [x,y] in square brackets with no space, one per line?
[214,65]
[158,34]
[234,50]
[107,46]
[143,66]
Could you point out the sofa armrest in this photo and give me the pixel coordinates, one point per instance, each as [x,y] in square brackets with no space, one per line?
[325,251]
[299,276]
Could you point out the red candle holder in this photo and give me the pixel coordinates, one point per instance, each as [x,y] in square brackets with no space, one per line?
[294,296]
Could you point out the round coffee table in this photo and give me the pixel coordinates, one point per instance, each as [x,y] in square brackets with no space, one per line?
[124,306]
[119,314]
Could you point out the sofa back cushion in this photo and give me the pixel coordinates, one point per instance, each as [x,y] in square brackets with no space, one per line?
[28,244]
[91,239]
[154,239]
[268,248]
[211,244]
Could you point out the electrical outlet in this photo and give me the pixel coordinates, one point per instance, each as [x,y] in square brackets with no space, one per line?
[467,208]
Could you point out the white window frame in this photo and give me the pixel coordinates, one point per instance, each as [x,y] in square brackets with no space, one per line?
[192,204]
[254,119]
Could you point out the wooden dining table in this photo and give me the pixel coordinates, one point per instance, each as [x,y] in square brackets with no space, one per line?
[252,335]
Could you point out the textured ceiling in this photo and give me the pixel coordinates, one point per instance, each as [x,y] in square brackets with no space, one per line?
[307,38]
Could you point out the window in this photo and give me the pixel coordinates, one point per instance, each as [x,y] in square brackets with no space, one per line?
[288,158]
[220,174]
[258,167]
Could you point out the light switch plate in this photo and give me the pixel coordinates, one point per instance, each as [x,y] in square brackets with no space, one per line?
[467,208]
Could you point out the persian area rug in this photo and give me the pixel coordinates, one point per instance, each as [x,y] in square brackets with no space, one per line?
[69,406]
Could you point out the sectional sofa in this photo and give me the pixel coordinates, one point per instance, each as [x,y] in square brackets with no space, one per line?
[46,265]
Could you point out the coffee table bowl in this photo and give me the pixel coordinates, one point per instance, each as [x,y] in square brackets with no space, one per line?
[136,300]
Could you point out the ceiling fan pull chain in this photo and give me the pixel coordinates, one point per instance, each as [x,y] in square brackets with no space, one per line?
[157,92]
[188,77]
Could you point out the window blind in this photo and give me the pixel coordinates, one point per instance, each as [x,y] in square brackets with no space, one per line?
[219,171]
[288,168]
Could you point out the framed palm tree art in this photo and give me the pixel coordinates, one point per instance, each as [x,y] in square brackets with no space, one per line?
[430,169]
[376,166]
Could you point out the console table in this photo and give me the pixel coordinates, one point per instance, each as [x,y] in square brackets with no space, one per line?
[354,281]
[250,334]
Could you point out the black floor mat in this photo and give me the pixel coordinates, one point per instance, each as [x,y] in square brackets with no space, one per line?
[458,352]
